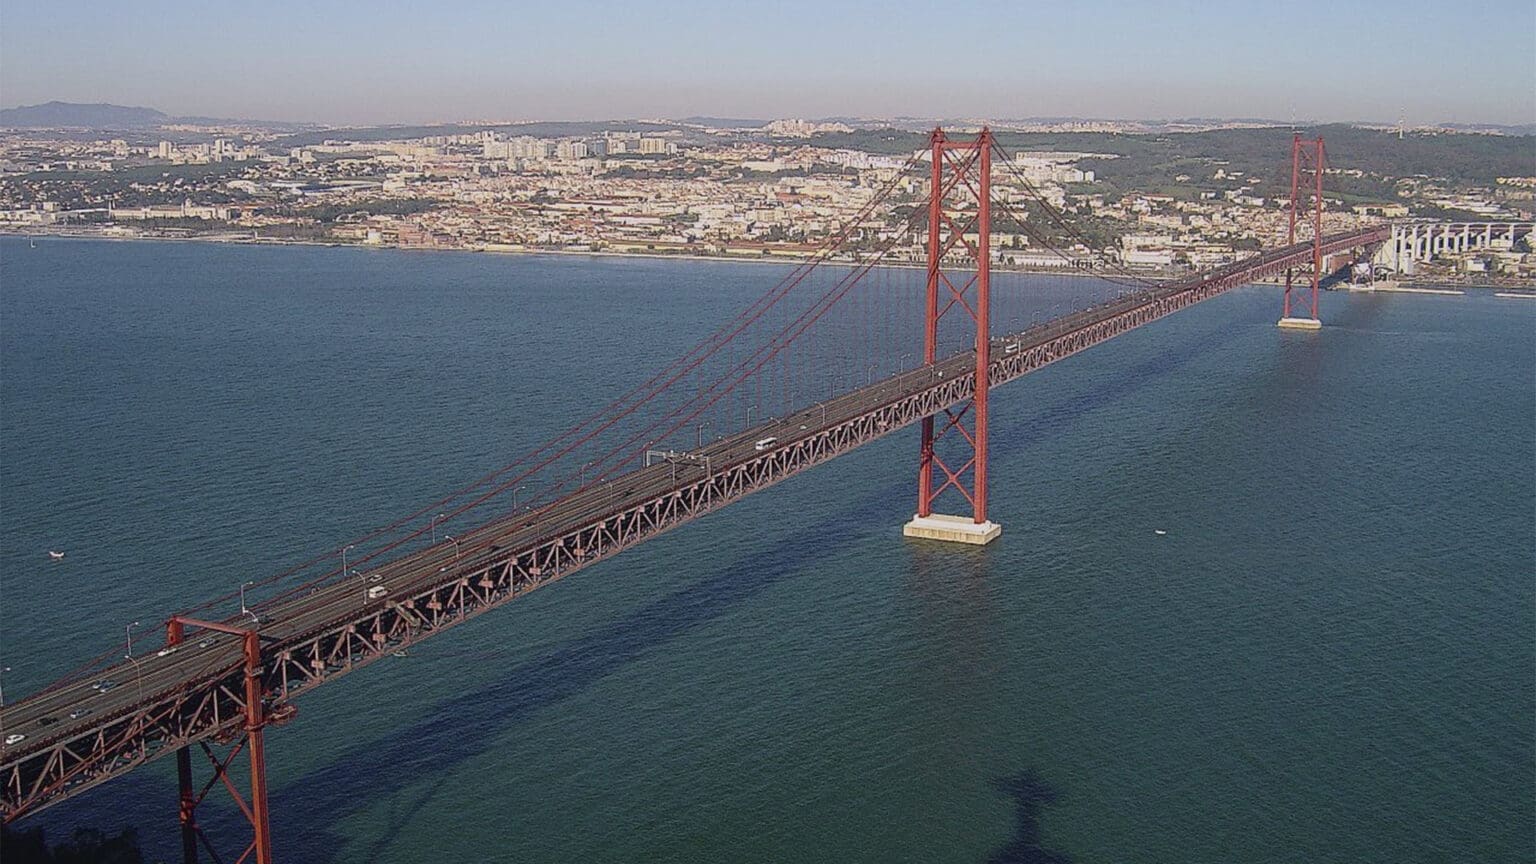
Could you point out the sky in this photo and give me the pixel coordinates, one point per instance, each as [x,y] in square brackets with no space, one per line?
[345,62]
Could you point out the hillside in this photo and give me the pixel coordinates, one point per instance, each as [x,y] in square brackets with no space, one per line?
[77,115]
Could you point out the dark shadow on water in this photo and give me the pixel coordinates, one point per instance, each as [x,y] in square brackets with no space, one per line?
[457,730]
[306,811]
[1030,796]
[1014,437]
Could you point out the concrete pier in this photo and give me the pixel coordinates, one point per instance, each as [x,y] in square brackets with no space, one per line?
[952,529]
[1300,324]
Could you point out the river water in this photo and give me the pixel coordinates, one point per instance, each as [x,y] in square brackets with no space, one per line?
[1329,655]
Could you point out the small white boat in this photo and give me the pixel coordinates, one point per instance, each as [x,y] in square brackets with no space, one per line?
[1159,532]
[57,556]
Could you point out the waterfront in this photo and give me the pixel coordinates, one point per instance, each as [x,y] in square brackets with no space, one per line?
[1329,655]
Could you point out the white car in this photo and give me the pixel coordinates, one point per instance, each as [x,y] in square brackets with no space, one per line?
[14,738]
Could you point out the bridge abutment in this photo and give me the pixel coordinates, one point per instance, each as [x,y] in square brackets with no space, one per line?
[1293,323]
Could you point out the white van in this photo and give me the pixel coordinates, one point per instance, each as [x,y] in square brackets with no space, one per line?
[766,443]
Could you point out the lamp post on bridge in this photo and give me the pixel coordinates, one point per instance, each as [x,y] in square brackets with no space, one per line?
[344,558]
[365,585]
[439,516]
[138,677]
[3,670]
[245,610]
[514,497]
[455,543]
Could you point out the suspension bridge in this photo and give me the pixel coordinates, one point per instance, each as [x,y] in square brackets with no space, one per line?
[845,349]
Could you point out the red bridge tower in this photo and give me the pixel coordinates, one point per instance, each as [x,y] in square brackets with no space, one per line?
[959,209]
[1306,185]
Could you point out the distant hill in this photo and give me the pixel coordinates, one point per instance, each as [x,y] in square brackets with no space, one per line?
[1497,129]
[537,129]
[724,122]
[74,114]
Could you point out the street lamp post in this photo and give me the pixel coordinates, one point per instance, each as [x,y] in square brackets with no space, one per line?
[138,677]
[245,610]
[344,557]
[3,670]
[455,550]
[514,497]
[439,516]
[365,585]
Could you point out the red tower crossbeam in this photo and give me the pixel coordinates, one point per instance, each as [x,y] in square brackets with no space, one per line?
[1306,179]
[254,810]
[961,176]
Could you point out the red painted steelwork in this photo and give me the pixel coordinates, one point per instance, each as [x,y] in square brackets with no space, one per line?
[1306,160]
[971,176]
[217,693]
[256,810]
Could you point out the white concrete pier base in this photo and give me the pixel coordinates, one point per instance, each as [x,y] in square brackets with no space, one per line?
[1300,324]
[952,529]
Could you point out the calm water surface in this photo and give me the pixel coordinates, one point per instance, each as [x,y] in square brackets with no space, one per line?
[1329,656]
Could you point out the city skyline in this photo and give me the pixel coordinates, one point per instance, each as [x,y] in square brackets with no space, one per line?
[348,63]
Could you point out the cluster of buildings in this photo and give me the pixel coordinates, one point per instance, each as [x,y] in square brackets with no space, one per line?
[659,192]
[217,150]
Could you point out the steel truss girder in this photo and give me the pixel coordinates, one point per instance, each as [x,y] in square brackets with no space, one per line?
[213,706]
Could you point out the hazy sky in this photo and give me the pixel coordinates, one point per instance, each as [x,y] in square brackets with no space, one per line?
[339,61]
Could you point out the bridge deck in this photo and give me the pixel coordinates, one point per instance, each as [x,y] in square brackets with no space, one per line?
[78,737]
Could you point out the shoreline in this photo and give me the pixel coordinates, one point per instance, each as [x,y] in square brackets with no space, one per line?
[591,253]
[1519,286]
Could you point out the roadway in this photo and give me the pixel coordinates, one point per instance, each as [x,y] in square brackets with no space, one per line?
[71,709]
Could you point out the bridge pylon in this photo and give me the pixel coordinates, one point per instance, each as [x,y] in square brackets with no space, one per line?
[959,209]
[254,808]
[1306,182]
